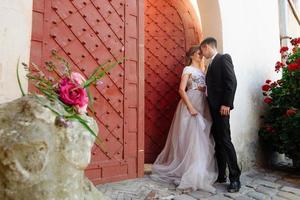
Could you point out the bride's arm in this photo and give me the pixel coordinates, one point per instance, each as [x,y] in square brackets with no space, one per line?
[183,95]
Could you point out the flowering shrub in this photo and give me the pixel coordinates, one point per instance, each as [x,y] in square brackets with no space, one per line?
[281,127]
[69,89]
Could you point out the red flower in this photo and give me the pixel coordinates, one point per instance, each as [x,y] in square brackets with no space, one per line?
[274,84]
[268,81]
[293,67]
[268,100]
[270,129]
[295,49]
[284,49]
[278,66]
[295,41]
[291,112]
[279,82]
[265,88]
[298,61]
[71,93]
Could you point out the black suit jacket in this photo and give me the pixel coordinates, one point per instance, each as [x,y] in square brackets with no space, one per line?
[221,82]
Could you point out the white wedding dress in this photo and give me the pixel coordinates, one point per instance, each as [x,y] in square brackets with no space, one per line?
[187,159]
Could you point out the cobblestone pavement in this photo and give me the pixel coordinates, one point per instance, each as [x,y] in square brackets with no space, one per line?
[256,184]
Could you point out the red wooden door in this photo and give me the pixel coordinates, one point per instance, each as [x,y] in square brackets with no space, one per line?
[87,33]
[170,28]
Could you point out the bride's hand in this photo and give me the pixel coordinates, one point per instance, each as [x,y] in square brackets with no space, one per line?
[193,111]
[202,88]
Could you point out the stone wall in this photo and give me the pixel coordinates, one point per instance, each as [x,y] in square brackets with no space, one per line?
[15,34]
[42,156]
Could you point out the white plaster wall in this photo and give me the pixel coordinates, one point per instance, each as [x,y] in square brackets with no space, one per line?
[211,20]
[195,6]
[293,26]
[249,32]
[15,34]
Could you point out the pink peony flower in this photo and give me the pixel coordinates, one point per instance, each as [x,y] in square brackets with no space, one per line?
[77,78]
[73,94]
[82,109]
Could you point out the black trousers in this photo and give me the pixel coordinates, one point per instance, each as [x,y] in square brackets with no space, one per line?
[225,152]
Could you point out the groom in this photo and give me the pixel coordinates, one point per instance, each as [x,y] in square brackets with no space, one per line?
[221,87]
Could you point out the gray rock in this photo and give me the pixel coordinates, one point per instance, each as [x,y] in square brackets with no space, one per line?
[40,160]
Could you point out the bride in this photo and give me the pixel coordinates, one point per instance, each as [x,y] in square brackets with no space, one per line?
[187,159]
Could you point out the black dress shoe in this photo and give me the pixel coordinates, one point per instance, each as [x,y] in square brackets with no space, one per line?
[234,186]
[221,179]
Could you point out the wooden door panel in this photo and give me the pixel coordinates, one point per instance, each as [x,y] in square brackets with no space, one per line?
[87,33]
[171,27]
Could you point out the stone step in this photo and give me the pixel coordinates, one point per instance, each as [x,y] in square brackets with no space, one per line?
[288,195]
[291,189]
[258,196]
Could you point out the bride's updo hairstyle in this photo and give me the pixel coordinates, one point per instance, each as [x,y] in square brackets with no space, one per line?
[190,53]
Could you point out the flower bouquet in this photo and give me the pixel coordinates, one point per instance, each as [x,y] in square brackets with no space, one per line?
[70,89]
[281,126]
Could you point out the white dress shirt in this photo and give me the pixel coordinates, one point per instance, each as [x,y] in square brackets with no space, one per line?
[212,58]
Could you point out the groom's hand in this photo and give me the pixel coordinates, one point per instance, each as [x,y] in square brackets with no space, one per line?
[224,110]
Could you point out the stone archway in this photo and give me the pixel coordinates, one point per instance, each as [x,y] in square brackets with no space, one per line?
[211,21]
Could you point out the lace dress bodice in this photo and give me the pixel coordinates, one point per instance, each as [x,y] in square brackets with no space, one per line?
[196,78]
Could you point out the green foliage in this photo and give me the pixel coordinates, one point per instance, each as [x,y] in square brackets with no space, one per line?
[19,80]
[281,127]
[49,87]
